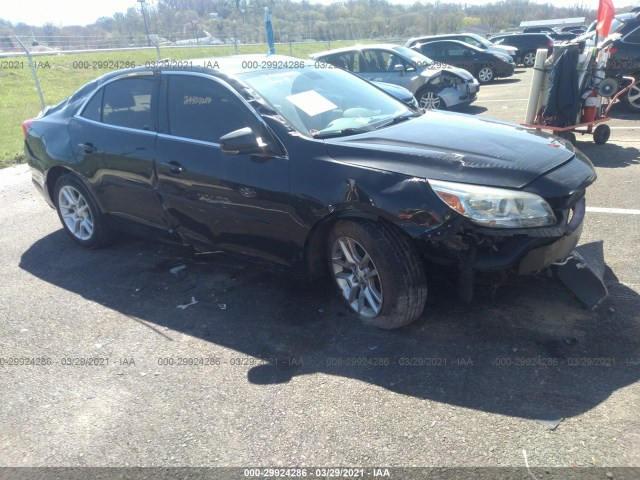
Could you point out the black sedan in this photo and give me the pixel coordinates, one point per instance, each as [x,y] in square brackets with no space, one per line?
[484,65]
[311,170]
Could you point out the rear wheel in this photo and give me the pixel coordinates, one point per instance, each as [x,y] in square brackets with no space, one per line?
[79,213]
[529,59]
[378,272]
[430,100]
[486,74]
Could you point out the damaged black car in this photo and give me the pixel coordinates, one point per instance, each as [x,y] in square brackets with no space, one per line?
[308,169]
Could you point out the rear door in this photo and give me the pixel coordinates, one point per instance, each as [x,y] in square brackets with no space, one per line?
[113,138]
[236,202]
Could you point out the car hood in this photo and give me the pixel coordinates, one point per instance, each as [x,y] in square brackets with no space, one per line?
[456,147]
[502,49]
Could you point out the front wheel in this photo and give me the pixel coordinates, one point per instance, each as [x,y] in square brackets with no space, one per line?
[529,59]
[486,74]
[79,214]
[632,98]
[430,101]
[378,272]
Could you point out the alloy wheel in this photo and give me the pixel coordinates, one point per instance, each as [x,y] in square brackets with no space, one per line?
[430,101]
[485,74]
[357,277]
[529,59]
[75,213]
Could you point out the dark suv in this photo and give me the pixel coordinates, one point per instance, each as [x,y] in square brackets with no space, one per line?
[624,57]
[526,43]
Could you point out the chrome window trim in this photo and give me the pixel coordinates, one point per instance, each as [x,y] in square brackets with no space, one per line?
[187,139]
[115,127]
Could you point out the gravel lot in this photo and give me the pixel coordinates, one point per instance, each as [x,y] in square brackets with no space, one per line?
[284,376]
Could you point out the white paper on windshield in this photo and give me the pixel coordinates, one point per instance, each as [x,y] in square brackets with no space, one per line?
[311,102]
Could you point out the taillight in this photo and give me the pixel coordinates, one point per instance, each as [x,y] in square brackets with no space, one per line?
[613,51]
[25,126]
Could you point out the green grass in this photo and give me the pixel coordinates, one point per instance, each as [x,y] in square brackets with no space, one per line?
[59,79]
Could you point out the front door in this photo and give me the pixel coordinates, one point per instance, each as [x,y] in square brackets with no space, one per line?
[236,202]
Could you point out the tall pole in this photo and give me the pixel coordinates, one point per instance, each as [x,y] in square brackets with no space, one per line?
[144,17]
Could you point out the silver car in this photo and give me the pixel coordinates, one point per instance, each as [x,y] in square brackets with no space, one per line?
[435,85]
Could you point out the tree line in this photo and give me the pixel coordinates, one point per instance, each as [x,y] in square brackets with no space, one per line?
[243,21]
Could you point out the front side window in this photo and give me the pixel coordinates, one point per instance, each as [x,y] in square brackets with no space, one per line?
[201,109]
[123,103]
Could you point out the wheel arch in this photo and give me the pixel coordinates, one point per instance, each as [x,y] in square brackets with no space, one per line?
[316,244]
[55,172]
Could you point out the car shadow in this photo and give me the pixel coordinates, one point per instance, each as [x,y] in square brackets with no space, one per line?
[608,155]
[505,81]
[527,350]
[472,109]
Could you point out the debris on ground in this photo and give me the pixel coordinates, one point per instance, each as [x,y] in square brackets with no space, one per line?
[193,302]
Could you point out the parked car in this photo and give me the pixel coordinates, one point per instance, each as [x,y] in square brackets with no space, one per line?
[470,38]
[624,57]
[538,30]
[312,170]
[486,66]
[435,86]
[527,44]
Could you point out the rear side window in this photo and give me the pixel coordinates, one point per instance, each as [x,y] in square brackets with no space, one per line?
[202,109]
[123,103]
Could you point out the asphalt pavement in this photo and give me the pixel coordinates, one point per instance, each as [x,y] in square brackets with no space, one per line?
[115,357]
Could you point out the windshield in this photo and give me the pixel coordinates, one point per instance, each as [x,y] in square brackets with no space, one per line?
[323,102]
[416,58]
[479,41]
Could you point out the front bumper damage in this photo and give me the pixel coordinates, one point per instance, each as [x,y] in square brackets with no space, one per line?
[477,249]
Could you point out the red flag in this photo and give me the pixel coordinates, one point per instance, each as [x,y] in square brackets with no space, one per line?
[605,15]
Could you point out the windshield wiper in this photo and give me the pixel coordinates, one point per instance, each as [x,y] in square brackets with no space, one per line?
[344,131]
[398,119]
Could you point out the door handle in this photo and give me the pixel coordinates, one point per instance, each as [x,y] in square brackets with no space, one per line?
[88,147]
[174,167]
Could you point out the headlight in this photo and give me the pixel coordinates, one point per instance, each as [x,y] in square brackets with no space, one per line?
[495,207]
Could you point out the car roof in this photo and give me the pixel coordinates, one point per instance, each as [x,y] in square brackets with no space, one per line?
[464,44]
[387,46]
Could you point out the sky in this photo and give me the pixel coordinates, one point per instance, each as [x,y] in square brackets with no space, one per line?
[84,12]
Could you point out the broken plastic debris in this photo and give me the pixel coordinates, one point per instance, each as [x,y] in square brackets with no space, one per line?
[193,302]
[177,269]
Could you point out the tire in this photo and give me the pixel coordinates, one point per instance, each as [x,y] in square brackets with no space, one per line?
[632,97]
[378,272]
[486,74]
[430,100]
[529,59]
[601,134]
[567,135]
[79,213]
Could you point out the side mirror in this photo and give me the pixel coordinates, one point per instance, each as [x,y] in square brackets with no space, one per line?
[242,142]
[398,68]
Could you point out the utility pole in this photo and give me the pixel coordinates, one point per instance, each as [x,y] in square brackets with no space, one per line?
[144,17]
